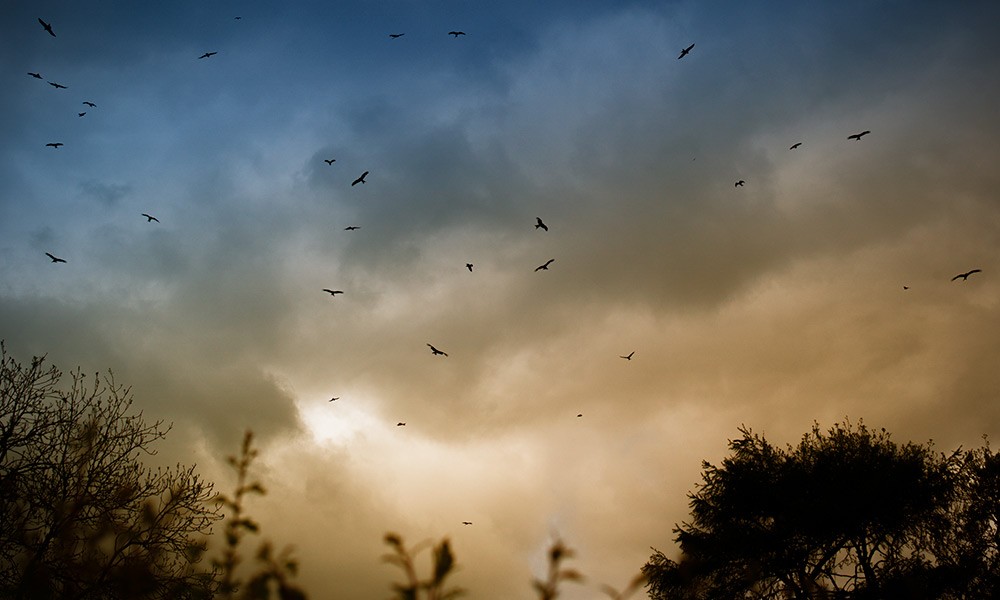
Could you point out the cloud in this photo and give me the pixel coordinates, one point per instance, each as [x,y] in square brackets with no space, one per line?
[107,194]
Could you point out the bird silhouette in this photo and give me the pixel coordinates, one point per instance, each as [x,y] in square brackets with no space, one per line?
[468,266]
[545,267]
[795,145]
[208,55]
[540,225]
[55,259]
[396,35]
[150,218]
[579,415]
[35,75]
[858,136]
[80,114]
[352,227]
[906,287]
[360,179]
[456,33]
[237,18]
[739,183]
[436,352]
[47,27]
[332,292]
[466,522]
[329,161]
[965,276]
[335,398]
[629,357]
[54,144]
[58,86]
[90,104]
[401,424]
[685,52]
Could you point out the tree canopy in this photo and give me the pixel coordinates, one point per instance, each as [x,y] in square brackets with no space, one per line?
[80,515]
[846,513]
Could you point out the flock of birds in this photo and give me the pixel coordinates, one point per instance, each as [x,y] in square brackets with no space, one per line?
[539,223]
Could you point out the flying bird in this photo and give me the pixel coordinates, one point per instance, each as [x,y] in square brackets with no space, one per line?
[335,398]
[906,287]
[55,259]
[332,292]
[401,424]
[237,18]
[396,35]
[739,183]
[468,266]
[58,86]
[35,75]
[80,114]
[352,227]
[545,267]
[90,104]
[795,145]
[329,161]
[965,276]
[685,52]
[208,55]
[540,225]
[579,415]
[436,352]
[456,33]
[629,357]
[858,136]
[47,27]
[150,218]
[466,522]
[54,144]
[360,179]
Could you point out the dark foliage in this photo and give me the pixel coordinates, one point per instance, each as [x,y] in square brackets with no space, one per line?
[846,513]
[80,515]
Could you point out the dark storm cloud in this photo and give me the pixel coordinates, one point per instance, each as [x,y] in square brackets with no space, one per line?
[223,398]
[108,194]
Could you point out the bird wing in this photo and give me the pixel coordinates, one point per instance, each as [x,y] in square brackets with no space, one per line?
[966,275]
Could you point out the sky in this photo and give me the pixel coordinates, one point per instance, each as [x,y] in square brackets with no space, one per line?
[820,290]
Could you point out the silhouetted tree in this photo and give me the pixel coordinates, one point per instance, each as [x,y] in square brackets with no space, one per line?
[80,515]
[846,513]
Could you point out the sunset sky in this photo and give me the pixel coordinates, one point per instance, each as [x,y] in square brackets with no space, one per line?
[775,304]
